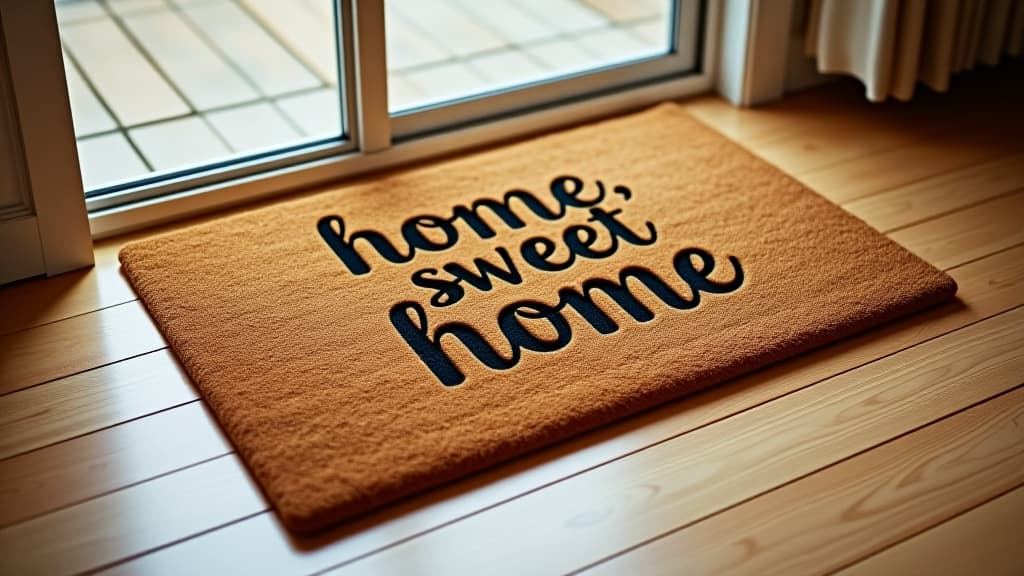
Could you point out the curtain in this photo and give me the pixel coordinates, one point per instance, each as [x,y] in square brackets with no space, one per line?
[890,45]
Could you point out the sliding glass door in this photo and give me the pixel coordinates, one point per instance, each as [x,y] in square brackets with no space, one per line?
[174,98]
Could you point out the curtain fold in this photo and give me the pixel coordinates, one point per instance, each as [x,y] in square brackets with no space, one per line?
[891,45]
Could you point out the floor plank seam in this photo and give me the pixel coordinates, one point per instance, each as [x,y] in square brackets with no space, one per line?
[796,174]
[926,529]
[82,371]
[100,429]
[129,558]
[126,486]
[794,480]
[667,439]
[999,156]
[55,320]
[989,255]
[545,485]
[976,204]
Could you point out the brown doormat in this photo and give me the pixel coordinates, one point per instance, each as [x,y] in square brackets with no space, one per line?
[368,342]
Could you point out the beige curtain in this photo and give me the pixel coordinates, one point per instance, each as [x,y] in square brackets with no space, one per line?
[890,45]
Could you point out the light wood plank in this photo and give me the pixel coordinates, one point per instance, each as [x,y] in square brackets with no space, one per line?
[826,146]
[985,539]
[898,167]
[88,535]
[76,344]
[89,466]
[940,195]
[41,301]
[690,477]
[967,234]
[702,435]
[91,400]
[838,105]
[820,523]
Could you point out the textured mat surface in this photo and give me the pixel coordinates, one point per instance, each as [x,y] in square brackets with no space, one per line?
[368,342]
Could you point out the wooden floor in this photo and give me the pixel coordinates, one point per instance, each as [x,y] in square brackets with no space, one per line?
[898,451]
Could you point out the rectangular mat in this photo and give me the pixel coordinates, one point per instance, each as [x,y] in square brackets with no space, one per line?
[365,343]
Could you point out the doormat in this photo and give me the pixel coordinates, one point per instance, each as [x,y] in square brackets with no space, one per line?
[369,342]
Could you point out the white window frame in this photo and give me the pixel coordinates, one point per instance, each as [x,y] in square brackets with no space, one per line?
[378,140]
[46,232]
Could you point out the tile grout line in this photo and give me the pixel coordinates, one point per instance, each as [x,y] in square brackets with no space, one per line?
[106,106]
[232,64]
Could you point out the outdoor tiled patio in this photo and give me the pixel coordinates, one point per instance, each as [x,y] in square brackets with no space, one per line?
[163,84]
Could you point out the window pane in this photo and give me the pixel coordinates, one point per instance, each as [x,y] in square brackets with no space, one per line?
[162,87]
[444,50]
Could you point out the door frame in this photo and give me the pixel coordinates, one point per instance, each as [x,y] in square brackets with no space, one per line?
[47,232]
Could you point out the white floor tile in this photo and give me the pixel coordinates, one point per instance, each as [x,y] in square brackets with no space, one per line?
[274,70]
[324,8]
[108,159]
[507,20]
[615,45]
[199,72]
[69,11]
[310,36]
[402,95]
[178,143]
[508,68]
[132,88]
[135,6]
[448,82]
[564,56]
[449,26]
[655,34]
[87,112]
[567,16]
[630,10]
[407,47]
[317,114]
[253,127]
